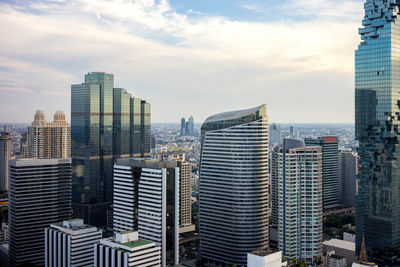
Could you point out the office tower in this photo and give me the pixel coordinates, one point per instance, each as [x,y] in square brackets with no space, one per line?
[300,200]
[233,192]
[47,140]
[291,131]
[8,128]
[39,194]
[183,127]
[6,151]
[126,249]
[191,126]
[185,177]
[121,123]
[330,169]
[348,166]
[70,243]
[146,198]
[275,135]
[106,123]
[377,121]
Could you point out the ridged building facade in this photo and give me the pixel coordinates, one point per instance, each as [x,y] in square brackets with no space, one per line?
[39,195]
[234,186]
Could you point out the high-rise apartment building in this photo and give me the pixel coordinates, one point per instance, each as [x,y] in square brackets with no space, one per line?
[330,169]
[275,135]
[127,249]
[146,198]
[47,140]
[348,166]
[106,123]
[299,211]
[70,243]
[39,194]
[234,186]
[6,152]
[377,108]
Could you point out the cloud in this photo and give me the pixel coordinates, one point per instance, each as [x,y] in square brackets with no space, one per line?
[182,64]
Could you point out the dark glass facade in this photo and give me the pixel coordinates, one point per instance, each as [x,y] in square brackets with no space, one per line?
[330,169]
[106,124]
[377,115]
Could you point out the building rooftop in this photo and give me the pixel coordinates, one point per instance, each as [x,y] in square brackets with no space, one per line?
[137,243]
[263,252]
[147,163]
[340,244]
[231,115]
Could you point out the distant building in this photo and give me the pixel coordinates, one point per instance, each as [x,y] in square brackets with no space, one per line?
[146,197]
[70,243]
[300,200]
[275,135]
[127,249]
[264,258]
[4,233]
[191,126]
[107,123]
[348,167]
[48,140]
[39,194]
[6,152]
[341,248]
[233,194]
[330,168]
[183,127]
[8,128]
[24,146]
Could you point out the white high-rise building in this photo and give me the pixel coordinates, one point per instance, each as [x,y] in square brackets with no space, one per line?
[299,212]
[234,186]
[146,197]
[126,249]
[70,244]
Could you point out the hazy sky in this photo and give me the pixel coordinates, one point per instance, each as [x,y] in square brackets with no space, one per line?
[186,57]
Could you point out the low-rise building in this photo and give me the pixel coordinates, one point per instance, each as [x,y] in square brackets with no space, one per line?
[342,248]
[265,258]
[126,249]
[70,244]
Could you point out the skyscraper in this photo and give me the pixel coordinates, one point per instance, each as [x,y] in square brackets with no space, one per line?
[106,123]
[299,210]
[6,151]
[348,166]
[377,108]
[70,243]
[47,140]
[183,127]
[146,198]
[275,135]
[191,126]
[234,185]
[40,194]
[8,128]
[330,168]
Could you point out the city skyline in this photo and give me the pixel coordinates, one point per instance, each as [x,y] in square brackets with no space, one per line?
[166,46]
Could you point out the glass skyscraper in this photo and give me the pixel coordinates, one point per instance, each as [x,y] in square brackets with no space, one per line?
[107,123]
[234,184]
[377,115]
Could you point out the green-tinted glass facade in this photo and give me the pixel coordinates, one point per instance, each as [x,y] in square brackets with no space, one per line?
[102,130]
[377,102]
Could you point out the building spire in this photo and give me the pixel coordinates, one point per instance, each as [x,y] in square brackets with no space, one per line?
[363,252]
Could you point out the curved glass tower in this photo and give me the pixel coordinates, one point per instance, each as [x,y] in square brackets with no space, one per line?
[234,186]
[377,110]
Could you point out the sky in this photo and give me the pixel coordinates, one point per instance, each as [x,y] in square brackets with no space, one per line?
[185,57]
